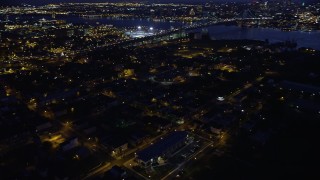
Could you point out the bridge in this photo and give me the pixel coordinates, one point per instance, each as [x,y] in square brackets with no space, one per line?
[91,16]
[178,33]
[167,35]
[247,14]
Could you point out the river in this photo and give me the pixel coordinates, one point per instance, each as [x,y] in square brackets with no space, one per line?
[303,39]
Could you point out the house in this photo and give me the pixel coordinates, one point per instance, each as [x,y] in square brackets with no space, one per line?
[116,145]
[164,125]
[83,152]
[138,138]
[43,127]
[57,96]
[70,144]
[216,131]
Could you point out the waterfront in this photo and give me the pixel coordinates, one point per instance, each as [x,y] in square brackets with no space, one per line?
[219,32]
[117,22]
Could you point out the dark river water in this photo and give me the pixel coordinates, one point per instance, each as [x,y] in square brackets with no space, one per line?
[304,39]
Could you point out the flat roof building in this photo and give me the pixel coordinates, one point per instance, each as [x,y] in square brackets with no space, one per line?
[163,148]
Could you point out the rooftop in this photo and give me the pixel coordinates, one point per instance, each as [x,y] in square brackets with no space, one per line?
[162,146]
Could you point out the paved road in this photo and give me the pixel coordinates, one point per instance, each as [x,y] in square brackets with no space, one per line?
[186,161]
[128,156]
